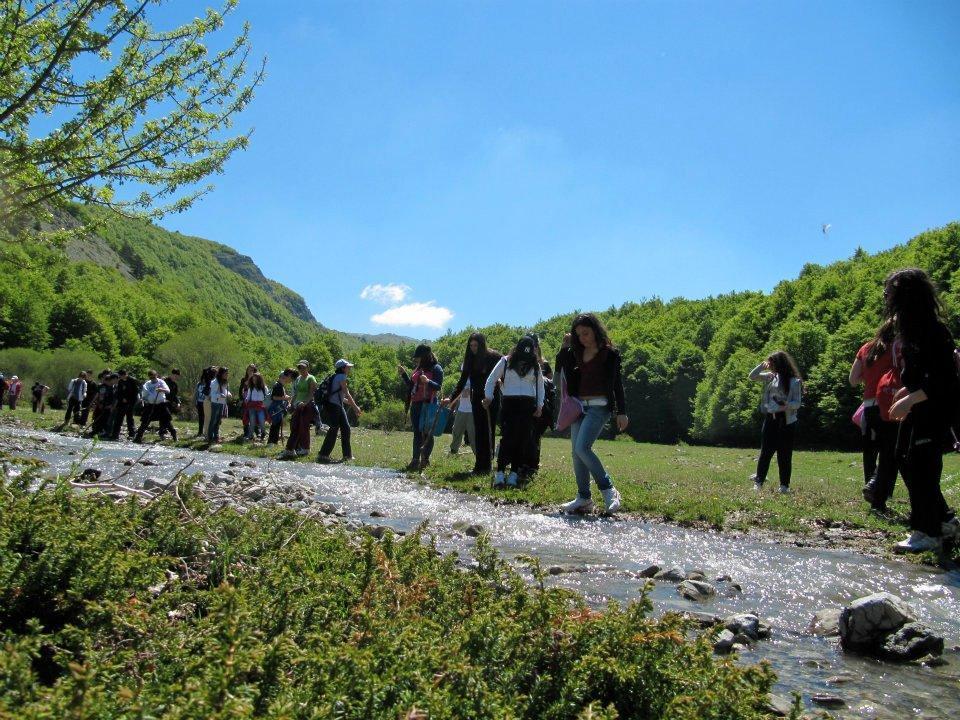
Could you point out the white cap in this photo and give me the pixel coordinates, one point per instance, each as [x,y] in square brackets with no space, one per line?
[342,363]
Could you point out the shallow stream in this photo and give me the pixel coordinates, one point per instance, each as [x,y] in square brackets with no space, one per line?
[782,584]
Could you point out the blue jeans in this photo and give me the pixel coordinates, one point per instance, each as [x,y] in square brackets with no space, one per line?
[256,419]
[583,433]
[422,439]
[216,415]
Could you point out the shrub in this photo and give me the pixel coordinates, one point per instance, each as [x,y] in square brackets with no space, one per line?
[123,609]
[390,415]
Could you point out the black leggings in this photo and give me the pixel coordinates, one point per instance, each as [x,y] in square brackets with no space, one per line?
[516,424]
[776,437]
[338,423]
[879,454]
[483,423]
[920,460]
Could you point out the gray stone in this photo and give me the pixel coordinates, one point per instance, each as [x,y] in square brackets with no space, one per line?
[673,574]
[865,623]
[824,700]
[724,642]
[746,624]
[697,575]
[933,661]
[911,642]
[155,483]
[743,640]
[467,528]
[779,705]
[649,572]
[825,623]
[222,478]
[696,590]
[724,578]
[377,514]
[378,531]
[703,619]
[565,569]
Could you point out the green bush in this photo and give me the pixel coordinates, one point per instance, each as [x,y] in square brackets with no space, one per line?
[391,415]
[131,610]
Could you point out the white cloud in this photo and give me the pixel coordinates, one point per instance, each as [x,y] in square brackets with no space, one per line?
[389,294]
[427,314]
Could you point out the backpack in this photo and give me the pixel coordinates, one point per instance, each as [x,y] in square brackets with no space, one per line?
[321,396]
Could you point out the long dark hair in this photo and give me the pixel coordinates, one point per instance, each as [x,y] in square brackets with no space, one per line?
[881,341]
[206,377]
[783,364]
[912,304]
[256,382]
[524,357]
[468,357]
[220,373]
[599,332]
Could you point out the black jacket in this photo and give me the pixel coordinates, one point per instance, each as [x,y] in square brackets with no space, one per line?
[612,376]
[477,373]
[128,390]
[928,365]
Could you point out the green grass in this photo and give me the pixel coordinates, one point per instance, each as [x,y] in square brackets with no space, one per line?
[706,486]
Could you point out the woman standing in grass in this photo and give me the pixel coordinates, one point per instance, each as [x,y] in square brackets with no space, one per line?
[201,397]
[522,401]
[924,406]
[254,407]
[424,385]
[591,365]
[219,394]
[244,383]
[873,360]
[478,363]
[338,397]
[782,395]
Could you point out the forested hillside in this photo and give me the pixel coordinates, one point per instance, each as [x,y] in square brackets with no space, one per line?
[134,294]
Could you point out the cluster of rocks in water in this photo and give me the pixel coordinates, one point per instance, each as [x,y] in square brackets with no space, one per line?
[881,626]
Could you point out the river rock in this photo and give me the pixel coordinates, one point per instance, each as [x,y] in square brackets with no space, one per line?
[824,700]
[697,575]
[378,531]
[467,528]
[703,619]
[649,572]
[327,508]
[222,478]
[565,569]
[377,514]
[255,493]
[147,463]
[911,642]
[724,578]
[865,623]
[155,483]
[90,475]
[825,623]
[724,642]
[696,590]
[673,574]
[779,705]
[745,624]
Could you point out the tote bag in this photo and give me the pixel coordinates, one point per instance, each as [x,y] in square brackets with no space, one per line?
[571,409]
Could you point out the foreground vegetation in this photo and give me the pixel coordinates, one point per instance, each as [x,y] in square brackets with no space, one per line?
[132,610]
[695,485]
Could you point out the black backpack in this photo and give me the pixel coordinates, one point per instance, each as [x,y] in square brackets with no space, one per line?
[321,396]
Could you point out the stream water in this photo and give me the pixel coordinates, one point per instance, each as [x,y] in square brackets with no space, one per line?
[782,584]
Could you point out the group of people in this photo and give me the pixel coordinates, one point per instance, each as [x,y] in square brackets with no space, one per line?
[10,391]
[910,372]
[108,401]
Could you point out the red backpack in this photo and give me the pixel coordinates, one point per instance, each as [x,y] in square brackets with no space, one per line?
[889,385]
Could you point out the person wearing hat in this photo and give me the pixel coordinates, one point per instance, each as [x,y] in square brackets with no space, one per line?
[304,412]
[336,413]
[13,392]
[423,385]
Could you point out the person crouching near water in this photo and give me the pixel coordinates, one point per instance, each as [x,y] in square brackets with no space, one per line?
[424,385]
[924,406]
[521,380]
[335,411]
[591,366]
[873,361]
[782,395]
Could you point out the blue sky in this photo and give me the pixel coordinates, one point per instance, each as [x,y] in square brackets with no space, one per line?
[505,162]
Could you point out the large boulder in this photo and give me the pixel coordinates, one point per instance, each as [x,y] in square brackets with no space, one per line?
[745,624]
[866,622]
[826,622]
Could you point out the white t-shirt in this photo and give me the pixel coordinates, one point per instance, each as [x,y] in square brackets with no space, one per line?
[466,405]
[254,395]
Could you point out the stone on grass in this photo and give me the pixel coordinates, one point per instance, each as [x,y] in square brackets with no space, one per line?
[865,623]
[696,590]
[825,623]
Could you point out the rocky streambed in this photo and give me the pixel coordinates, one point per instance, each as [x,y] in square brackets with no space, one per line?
[758,599]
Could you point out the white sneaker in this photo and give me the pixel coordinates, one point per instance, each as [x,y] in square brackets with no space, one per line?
[784,490]
[577,506]
[498,479]
[757,486]
[917,542]
[512,480]
[611,499]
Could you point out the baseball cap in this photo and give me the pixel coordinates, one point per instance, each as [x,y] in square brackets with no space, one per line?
[342,363]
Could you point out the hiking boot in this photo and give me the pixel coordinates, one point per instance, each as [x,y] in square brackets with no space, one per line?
[301,452]
[512,480]
[870,493]
[413,465]
[577,506]
[287,454]
[917,542]
[611,499]
[498,480]
[323,459]
[757,483]
[784,489]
